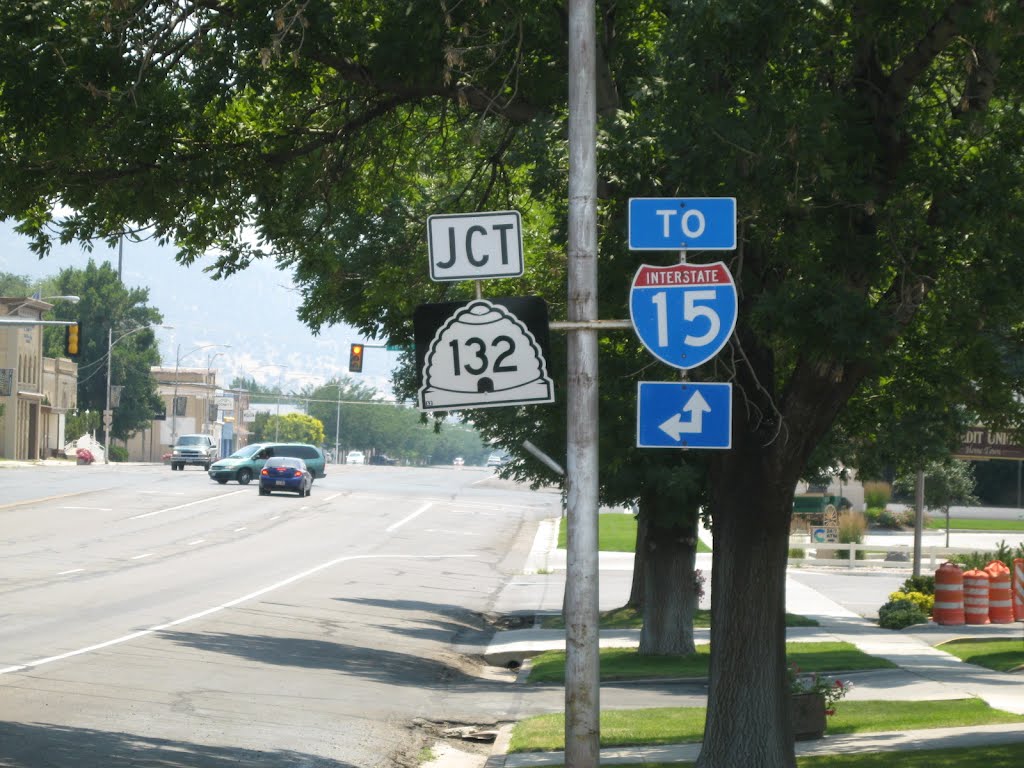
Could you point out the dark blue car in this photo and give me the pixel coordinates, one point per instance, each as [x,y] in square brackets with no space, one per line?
[285,473]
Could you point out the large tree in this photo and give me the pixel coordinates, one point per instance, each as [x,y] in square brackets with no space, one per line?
[873,148]
[115,332]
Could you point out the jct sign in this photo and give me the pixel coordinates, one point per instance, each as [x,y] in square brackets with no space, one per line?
[475,246]
[684,314]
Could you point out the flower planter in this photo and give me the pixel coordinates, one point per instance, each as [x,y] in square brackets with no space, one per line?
[807,711]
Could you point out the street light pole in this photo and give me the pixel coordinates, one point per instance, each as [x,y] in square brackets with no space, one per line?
[108,414]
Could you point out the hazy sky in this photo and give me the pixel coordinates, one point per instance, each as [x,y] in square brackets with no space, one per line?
[253,311]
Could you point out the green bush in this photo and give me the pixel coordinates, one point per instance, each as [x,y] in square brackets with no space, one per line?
[897,614]
[877,494]
[118,453]
[852,526]
[895,520]
[981,559]
[924,602]
[797,554]
[925,584]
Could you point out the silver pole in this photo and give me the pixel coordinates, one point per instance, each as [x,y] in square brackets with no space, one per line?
[337,429]
[106,426]
[919,520]
[582,667]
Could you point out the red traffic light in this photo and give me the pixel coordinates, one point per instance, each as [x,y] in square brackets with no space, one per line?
[355,358]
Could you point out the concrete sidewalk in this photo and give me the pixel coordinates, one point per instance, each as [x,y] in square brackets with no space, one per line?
[923,673]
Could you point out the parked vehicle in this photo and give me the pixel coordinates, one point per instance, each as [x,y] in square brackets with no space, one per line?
[383,459]
[193,449]
[355,457]
[496,460]
[285,473]
[245,463]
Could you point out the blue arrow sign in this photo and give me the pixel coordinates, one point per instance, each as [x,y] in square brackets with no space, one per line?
[683,415]
[676,223]
[684,314]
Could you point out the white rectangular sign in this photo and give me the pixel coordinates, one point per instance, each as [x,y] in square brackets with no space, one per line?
[475,246]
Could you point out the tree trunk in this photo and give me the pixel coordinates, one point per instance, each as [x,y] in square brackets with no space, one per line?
[670,600]
[636,590]
[749,720]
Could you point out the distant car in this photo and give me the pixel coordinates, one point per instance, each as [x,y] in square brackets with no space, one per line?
[459,461]
[245,463]
[285,473]
[193,449]
[383,459]
[496,460]
[355,457]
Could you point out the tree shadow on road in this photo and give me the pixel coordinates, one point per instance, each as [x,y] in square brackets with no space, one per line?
[371,663]
[44,745]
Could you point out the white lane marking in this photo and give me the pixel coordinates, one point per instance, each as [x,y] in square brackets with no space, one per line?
[94,509]
[182,506]
[223,606]
[73,570]
[332,497]
[275,517]
[239,529]
[405,520]
[197,541]
[139,557]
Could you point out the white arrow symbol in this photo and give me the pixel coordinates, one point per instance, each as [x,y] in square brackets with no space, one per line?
[697,407]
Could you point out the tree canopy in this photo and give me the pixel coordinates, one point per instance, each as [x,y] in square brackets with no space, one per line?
[873,149]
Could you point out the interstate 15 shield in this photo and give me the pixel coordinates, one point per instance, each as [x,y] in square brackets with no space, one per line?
[685,313]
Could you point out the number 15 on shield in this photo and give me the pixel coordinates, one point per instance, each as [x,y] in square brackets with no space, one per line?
[685,313]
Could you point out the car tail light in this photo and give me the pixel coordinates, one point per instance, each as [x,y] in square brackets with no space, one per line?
[264,471]
[296,473]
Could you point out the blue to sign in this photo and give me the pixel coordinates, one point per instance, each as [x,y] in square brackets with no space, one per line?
[683,415]
[684,314]
[677,223]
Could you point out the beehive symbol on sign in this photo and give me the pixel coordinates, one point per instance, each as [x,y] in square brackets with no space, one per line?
[484,356]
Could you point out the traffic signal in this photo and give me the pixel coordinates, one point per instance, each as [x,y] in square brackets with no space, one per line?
[71,340]
[355,359]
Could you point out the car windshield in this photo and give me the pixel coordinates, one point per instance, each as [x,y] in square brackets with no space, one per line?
[192,440]
[245,453]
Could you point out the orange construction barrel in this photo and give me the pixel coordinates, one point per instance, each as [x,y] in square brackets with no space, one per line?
[949,595]
[1018,588]
[976,597]
[1000,596]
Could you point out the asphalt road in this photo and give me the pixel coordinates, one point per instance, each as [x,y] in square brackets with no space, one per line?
[154,618]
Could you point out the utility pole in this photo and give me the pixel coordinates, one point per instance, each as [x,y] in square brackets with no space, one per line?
[582,666]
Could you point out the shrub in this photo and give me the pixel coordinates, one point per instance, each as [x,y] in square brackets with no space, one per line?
[924,584]
[897,614]
[981,559]
[873,516]
[118,453]
[924,602]
[877,494]
[895,520]
[851,531]
[797,554]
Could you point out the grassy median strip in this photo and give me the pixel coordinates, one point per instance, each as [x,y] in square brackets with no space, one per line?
[628,664]
[1000,655]
[631,618]
[1009,756]
[616,532]
[683,725]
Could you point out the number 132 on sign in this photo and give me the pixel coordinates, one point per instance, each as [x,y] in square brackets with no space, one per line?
[685,313]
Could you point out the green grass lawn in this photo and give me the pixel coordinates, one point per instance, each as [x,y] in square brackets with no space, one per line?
[616,532]
[968,524]
[630,618]
[1000,655]
[683,725]
[1010,756]
[627,664]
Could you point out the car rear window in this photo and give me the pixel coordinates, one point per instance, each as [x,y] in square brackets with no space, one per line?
[301,451]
